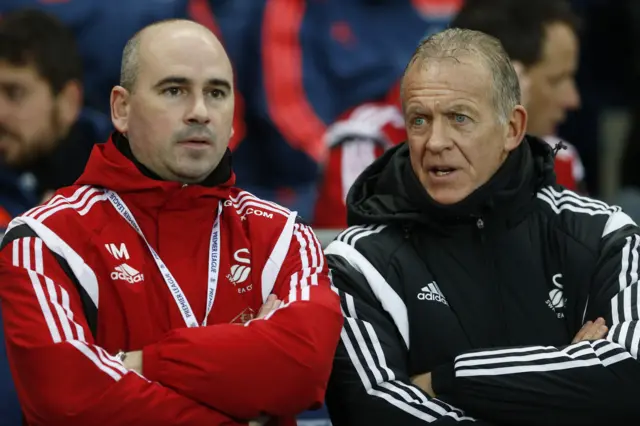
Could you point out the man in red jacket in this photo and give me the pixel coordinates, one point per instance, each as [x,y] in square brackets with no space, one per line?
[134,296]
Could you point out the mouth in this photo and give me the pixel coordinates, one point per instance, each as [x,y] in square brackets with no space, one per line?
[441,171]
[196,142]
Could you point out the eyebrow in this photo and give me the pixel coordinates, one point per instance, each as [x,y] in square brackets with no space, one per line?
[186,81]
[454,107]
[461,108]
[415,109]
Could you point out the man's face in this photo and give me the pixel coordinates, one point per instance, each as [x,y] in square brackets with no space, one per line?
[29,124]
[552,90]
[181,111]
[455,139]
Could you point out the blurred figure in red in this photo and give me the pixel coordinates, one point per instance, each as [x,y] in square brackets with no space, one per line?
[540,38]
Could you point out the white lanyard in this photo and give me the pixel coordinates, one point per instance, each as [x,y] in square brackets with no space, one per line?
[174,287]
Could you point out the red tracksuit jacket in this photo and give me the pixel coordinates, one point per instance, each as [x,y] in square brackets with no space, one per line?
[75,264]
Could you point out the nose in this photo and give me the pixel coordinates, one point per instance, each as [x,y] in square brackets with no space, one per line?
[571,96]
[198,113]
[437,140]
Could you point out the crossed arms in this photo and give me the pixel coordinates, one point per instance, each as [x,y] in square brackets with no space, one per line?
[191,376]
[586,382]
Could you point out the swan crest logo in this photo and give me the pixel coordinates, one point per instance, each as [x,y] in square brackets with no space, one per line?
[557,301]
[241,270]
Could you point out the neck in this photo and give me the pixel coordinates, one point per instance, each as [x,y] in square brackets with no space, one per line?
[220,174]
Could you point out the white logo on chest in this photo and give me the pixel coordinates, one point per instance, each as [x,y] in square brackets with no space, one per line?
[127,273]
[432,292]
[241,270]
[118,252]
[557,301]
[123,272]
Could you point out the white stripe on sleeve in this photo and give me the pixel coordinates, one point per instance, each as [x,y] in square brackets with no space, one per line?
[378,379]
[389,299]
[89,353]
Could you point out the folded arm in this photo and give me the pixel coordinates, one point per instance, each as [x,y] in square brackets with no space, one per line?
[587,383]
[63,376]
[276,366]
[370,382]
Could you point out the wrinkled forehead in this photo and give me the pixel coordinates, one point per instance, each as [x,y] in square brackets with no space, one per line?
[190,54]
[465,74]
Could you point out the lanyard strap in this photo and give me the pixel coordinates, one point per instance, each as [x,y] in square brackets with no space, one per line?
[172,284]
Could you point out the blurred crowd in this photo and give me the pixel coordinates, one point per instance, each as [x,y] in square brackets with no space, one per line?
[317,89]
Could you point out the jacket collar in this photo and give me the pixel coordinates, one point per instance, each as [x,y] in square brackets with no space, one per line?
[113,166]
[218,176]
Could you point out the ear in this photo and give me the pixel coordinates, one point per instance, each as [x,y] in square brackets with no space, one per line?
[120,102]
[69,102]
[515,128]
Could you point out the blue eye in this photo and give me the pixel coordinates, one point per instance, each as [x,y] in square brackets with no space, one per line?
[459,118]
[419,121]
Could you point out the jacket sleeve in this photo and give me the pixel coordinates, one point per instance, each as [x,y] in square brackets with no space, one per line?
[370,383]
[9,406]
[277,366]
[588,383]
[62,376]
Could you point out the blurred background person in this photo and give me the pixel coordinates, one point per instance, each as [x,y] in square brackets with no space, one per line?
[45,136]
[541,38]
[45,133]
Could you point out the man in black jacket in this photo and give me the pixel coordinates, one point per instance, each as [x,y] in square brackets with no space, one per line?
[468,277]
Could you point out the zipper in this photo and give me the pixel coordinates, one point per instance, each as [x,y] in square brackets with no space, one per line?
[490,262]
[407,232]
[480,226]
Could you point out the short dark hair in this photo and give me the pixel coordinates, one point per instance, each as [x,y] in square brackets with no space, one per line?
[32,37]
[519,25]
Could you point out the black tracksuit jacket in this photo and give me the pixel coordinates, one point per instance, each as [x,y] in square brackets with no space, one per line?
[487,295]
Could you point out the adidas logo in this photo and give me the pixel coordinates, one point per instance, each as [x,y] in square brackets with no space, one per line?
[127,273]
[432,292]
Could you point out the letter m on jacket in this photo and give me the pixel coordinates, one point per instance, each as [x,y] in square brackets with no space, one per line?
[118,253]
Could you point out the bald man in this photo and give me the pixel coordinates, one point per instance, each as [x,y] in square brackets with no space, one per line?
[153,291]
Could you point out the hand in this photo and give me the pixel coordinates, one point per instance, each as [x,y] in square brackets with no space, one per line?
[423,381]
[591,331]
[133,361]
[269,306]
